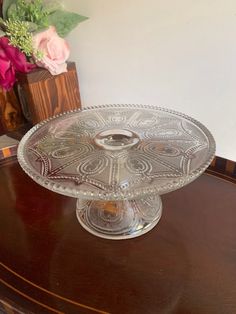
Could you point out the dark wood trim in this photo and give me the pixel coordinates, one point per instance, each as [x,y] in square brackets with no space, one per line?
[223,168]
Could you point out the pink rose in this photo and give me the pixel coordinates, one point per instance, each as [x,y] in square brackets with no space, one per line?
[55,51]
[12,60]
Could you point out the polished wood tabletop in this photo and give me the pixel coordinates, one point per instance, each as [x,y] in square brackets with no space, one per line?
[50,264]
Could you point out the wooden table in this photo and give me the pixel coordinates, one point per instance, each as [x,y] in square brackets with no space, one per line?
[49,264]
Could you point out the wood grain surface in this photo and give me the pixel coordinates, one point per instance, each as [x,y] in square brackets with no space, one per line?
[11,117]
[223,168]
[44,95]
[50,264]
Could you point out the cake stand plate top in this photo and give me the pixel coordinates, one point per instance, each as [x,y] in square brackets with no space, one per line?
[116,152]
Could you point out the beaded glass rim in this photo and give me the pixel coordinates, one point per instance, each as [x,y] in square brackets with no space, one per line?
[61,188]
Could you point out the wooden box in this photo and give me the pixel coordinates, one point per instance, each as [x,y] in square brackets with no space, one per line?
[43,95]
[11,117]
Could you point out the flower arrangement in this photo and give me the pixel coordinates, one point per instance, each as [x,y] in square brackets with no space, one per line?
[32,35]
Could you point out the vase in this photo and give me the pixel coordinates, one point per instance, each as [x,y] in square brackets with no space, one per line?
[43,95]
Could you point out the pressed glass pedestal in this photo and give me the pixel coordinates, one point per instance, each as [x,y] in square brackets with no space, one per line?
[117,160]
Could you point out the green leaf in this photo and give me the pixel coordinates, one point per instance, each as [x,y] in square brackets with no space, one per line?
[12,11]
[2,33]
[65,21]
[6,4]
[52,5]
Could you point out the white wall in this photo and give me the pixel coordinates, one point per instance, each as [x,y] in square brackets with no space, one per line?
[179,54]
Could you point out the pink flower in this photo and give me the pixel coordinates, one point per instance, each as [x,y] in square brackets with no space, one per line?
[12,60]
[55,51]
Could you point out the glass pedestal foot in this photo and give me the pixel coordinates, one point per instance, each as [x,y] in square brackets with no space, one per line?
[119,219]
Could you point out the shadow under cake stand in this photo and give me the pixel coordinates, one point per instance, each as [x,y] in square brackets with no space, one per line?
[117,160]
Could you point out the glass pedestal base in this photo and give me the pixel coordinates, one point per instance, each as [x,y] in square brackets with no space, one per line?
[119,219]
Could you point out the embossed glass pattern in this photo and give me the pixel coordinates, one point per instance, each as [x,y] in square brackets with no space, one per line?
[117,160]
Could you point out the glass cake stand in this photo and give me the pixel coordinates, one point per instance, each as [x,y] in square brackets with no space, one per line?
[117,160]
